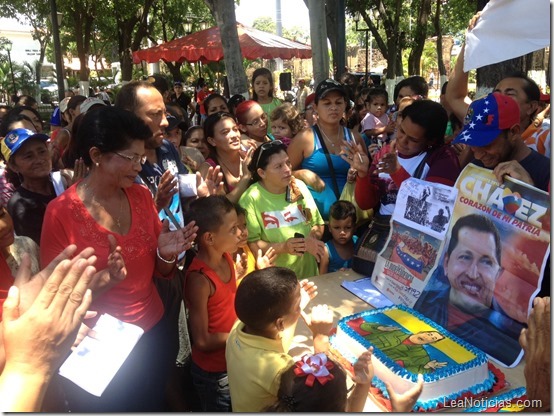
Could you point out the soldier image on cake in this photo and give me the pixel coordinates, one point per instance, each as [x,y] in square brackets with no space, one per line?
[407,350]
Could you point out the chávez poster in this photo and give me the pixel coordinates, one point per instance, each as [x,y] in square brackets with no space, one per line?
[492,264]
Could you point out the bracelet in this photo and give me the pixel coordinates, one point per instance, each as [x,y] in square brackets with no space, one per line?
[164,260]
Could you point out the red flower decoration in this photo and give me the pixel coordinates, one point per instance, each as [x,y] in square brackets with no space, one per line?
[314,367]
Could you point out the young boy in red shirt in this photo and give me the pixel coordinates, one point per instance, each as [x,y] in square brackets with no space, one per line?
[210,287]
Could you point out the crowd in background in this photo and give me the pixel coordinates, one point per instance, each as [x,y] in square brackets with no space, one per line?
[191,212]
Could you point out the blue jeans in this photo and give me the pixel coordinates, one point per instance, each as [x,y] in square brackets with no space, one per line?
[212,388]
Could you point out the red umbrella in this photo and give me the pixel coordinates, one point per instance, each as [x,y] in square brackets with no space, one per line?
[205,46]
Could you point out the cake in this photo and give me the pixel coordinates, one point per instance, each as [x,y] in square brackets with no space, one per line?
[406,343]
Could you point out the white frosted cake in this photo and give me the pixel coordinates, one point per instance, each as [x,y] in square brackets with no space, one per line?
[406,343]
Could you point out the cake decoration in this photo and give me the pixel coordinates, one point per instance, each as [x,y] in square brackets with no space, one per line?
[407,343]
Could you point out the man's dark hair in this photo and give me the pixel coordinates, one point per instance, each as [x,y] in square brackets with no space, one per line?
[208,213]
[264,296]
[431,116]
[531,88]
[25,101]
[479,223]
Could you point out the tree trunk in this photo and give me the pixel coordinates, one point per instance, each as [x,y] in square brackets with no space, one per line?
[224,13]
[175,70]
[129,38]
[318,36]
[414,60]
[438,33]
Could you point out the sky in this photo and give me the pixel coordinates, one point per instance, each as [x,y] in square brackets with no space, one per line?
[293,12]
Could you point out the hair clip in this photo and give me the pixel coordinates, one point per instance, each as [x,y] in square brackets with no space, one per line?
[315,367]
[289,402]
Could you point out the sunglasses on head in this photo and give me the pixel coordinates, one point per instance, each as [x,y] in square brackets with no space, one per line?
[266,146]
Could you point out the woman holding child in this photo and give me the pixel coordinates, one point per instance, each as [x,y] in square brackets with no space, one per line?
[116,216]
[282,213]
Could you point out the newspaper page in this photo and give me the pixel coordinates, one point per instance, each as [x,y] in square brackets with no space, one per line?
[419,224]
[492,265]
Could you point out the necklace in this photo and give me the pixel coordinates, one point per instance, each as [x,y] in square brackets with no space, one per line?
[331,142]
[96,203]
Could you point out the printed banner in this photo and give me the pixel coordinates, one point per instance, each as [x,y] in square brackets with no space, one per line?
[493,264]
[419,224]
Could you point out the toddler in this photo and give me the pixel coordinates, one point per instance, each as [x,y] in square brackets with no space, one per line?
[340,249]
[210,287]
[376,123]
[286,122]
[245,261]
[268,304]
[297,395]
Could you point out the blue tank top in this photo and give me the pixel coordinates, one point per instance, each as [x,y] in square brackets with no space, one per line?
[317,163]
[336,262]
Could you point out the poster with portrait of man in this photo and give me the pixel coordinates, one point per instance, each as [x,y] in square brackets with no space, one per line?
[492,263]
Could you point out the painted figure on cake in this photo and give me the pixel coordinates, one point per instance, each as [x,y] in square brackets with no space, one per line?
[406,349]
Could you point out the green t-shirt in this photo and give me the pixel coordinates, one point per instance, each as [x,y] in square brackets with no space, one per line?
[268,108]
[272,219]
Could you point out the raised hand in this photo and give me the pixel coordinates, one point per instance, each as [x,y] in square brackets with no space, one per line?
[173,243]
[308,291]
[116,264]
[535,341]
[363,368]
[266,260]
[37,340]
[241,265]
[389,162]
[320,321]
[166,189]
[211,184]
[30,286]
[354,155]
[405,402]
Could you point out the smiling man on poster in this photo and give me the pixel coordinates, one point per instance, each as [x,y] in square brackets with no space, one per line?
[467,307]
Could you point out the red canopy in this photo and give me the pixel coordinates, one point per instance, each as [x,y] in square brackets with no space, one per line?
[205,46]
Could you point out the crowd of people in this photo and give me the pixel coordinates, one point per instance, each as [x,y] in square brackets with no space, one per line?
[200,220]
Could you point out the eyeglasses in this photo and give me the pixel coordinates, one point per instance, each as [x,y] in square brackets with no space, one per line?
[258,121]
[132,159]
[266,146]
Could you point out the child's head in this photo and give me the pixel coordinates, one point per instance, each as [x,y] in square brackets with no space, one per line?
[342,221]
[402,104]
[216,219]
[286,121]
[376,101]
[268,300]
[297,395]
[262,84]
[241,219]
